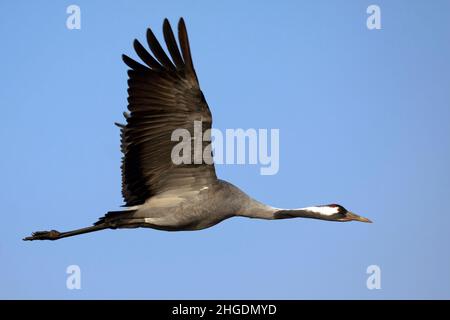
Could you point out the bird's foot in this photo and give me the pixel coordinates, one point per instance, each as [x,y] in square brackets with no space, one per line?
[43,235]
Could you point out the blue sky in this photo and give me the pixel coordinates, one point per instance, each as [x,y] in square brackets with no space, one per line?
[363,118]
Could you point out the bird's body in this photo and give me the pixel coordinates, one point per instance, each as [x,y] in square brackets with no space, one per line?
[186,209]
[160,193]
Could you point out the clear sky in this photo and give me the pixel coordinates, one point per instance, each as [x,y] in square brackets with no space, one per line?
[363,118]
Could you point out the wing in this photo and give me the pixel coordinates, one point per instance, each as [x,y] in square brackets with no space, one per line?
[163,95]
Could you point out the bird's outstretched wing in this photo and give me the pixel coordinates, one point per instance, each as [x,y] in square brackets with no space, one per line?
[163,95]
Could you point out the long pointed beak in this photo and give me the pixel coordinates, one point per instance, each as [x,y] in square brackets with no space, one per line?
[354,217]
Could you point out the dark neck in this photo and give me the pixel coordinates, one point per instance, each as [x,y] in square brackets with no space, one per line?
[255,209]
[298,213]
[245,206]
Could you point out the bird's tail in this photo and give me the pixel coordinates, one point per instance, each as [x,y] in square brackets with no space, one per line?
[114,218]
[111,220]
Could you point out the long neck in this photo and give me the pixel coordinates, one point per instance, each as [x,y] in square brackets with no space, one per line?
[245,206]
[308,212]
[255,209]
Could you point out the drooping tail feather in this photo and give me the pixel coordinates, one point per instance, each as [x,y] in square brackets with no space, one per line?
[112,218]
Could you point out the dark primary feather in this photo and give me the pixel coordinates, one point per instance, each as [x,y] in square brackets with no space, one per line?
[145,56]
[185,49]
[163,96]
[172,45]
[158,51]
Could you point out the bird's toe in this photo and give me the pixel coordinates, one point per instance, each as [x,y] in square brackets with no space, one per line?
[43,235]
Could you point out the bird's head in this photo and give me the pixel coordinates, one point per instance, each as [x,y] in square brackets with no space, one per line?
[336,212]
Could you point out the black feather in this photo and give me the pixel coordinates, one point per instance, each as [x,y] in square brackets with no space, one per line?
[133,64]
[145,56]
[158,51]
[185,48]
[172,45]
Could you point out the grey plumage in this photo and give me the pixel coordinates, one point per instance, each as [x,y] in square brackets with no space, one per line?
[164,95]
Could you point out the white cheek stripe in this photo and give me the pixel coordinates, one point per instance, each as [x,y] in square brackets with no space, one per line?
[326,211]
